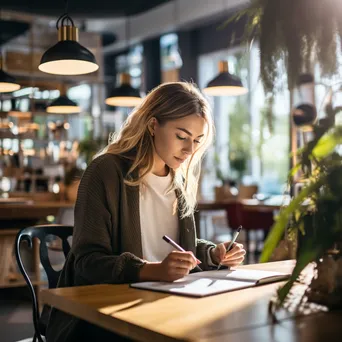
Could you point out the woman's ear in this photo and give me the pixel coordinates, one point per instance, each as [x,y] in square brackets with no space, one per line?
[152,126]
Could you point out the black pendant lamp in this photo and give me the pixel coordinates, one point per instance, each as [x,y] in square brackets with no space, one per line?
[225,84]
[67,57]
[63,105]
[7,82]
[124,95]
[304,115]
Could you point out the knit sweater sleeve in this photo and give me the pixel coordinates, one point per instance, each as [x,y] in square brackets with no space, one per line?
[203,248]
[96,228]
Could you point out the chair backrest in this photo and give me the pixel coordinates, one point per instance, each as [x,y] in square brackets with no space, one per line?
[41,232]
[247,191]
[234,214]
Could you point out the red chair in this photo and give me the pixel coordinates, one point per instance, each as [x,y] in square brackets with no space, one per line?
[256,220]
[250,220]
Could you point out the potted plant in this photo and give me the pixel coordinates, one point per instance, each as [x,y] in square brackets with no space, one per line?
[89,147]
[314,216]
[302,34]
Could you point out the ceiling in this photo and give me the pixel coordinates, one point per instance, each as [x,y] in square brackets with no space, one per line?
[82,8]
[11,29]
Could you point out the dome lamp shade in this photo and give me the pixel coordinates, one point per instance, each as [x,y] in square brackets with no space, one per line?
[124,95]
[68,56]
[225,84]
[7,82]
[63,105]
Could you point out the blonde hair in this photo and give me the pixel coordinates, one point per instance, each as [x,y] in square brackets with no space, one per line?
[169,101]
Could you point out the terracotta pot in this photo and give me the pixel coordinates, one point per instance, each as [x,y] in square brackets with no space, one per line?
[326,285]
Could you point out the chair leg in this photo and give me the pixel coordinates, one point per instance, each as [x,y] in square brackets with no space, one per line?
[34,338]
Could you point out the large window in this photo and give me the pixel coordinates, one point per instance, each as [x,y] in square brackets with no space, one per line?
[252,131]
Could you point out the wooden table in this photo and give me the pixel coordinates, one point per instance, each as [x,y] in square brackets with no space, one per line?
[320,327]
[153,316]
[248,204]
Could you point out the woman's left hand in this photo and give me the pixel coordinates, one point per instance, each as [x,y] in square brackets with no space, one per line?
[233,258]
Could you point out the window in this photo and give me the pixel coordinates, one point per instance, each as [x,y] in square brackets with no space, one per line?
[252,140]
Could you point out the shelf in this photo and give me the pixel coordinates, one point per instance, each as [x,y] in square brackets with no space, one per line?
[10,135]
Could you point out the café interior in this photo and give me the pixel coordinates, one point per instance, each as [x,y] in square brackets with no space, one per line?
[71,73]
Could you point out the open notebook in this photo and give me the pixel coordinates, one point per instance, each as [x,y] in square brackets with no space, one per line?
[207,283]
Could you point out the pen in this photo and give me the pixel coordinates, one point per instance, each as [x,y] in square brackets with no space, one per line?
[179,248]
[235,235]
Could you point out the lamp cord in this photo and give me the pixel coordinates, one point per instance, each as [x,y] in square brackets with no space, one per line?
[65,16]
[66,5]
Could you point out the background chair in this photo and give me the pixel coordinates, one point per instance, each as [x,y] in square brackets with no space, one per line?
[250,221]
[256,220]
[41,232]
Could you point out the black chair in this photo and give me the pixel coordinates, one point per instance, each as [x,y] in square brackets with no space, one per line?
[41,232]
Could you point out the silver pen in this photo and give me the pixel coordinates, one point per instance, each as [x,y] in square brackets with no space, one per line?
[235,235]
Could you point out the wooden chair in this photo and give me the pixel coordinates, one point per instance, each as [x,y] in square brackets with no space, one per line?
[41,232]
[247,191]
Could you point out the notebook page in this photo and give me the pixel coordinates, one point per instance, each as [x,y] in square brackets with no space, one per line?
[197,287]
[239,274]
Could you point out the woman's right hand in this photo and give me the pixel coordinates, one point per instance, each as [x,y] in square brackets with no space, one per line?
[175,266]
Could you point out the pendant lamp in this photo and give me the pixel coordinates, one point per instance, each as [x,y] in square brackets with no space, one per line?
[304,115]
[225,84]
[124,95]
[7,82]
[68,56]
[63,105]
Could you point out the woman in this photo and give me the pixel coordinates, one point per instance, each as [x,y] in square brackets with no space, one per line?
[143,186]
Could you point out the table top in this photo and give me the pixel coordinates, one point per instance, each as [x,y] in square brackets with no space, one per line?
[154,316]
[319,327]
[248,204]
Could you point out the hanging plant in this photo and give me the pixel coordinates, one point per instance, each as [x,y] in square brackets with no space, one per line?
[295,31]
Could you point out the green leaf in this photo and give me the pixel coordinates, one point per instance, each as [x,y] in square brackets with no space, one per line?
[278,228]
[326,145]
[295,169]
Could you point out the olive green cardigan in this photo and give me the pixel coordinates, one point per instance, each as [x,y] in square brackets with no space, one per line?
[106,245]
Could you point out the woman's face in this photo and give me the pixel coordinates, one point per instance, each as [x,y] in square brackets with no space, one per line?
[176,140]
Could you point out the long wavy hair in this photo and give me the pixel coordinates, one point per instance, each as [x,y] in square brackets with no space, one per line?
[168,101]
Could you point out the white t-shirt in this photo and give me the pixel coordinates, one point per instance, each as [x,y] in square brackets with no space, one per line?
[156,205]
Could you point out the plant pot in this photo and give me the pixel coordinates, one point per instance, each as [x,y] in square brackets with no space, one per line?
[326,285]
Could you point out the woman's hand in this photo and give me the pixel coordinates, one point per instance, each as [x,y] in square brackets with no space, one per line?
[175,266]
[233,258]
